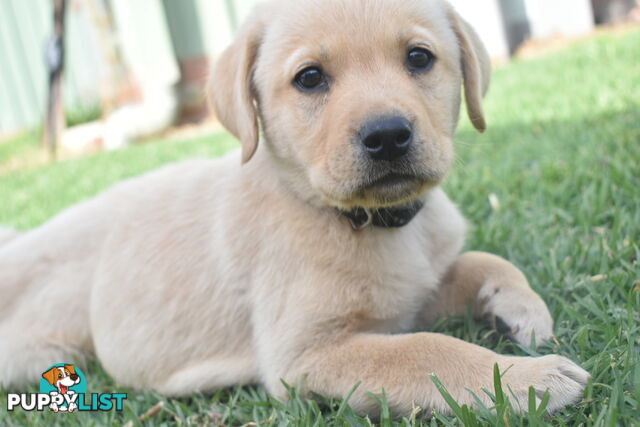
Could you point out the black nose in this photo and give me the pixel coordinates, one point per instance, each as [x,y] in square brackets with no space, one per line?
[386,138]
[73,377]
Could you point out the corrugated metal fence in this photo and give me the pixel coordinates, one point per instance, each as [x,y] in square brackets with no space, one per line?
[23,26]
[160,39]
[196,28]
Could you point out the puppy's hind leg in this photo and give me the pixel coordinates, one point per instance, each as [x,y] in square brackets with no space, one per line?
[208,376]
[46,276]
[44,318]
[22,360]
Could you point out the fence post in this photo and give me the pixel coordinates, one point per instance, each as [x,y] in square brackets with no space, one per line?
[54,121]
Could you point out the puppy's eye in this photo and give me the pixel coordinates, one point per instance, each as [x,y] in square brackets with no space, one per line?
[310,78]
[420,59]
[59,375]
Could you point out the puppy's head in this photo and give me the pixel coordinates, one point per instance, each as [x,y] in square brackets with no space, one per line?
[358,99]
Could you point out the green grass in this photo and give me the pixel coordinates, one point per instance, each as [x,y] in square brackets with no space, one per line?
[561,156]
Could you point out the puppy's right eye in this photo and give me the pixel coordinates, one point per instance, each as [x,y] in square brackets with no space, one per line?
[310,78]
[420,59]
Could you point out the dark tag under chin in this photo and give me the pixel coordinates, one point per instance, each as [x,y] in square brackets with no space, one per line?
[392,217]
[358,217]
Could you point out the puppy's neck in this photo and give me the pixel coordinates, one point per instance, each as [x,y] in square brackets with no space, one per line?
[389,217]
[289,178]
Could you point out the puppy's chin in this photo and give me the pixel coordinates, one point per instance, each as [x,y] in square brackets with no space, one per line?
[392,192]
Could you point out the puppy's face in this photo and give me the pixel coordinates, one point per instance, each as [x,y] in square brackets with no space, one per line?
[358,99]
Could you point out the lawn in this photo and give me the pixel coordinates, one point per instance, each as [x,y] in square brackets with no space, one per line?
[553,186]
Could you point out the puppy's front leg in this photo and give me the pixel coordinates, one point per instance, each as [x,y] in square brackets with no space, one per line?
[401,365]
[495,288]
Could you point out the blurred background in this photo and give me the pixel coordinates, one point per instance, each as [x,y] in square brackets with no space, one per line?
[99,74]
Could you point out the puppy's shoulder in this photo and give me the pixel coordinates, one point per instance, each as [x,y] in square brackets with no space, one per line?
[440,214]
[179,174]
[444,227]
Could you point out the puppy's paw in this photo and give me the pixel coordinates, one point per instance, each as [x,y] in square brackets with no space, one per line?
[520,314]
[564,380]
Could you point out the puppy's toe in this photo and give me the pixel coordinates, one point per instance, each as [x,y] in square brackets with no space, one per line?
[521,318]
[564,379]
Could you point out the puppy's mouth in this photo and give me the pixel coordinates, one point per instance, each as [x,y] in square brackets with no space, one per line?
[382,186]
[391,189]
[391,179]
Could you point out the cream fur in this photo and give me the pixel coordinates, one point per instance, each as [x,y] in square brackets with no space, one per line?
[206,274]
[7,234]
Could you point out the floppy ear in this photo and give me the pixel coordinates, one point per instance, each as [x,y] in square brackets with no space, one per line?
[476,69]
[70,368]
[231,89]
[51,375]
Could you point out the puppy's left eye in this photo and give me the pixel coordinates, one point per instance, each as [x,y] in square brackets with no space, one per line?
[420,59]
[310,78]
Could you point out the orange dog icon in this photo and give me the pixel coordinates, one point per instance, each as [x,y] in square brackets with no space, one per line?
[62,378]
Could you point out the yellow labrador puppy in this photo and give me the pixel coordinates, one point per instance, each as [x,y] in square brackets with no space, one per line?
[317,260]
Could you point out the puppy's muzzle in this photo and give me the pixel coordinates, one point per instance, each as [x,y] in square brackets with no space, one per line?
[386,138]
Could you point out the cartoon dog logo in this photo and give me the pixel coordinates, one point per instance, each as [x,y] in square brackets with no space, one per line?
[62,377]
